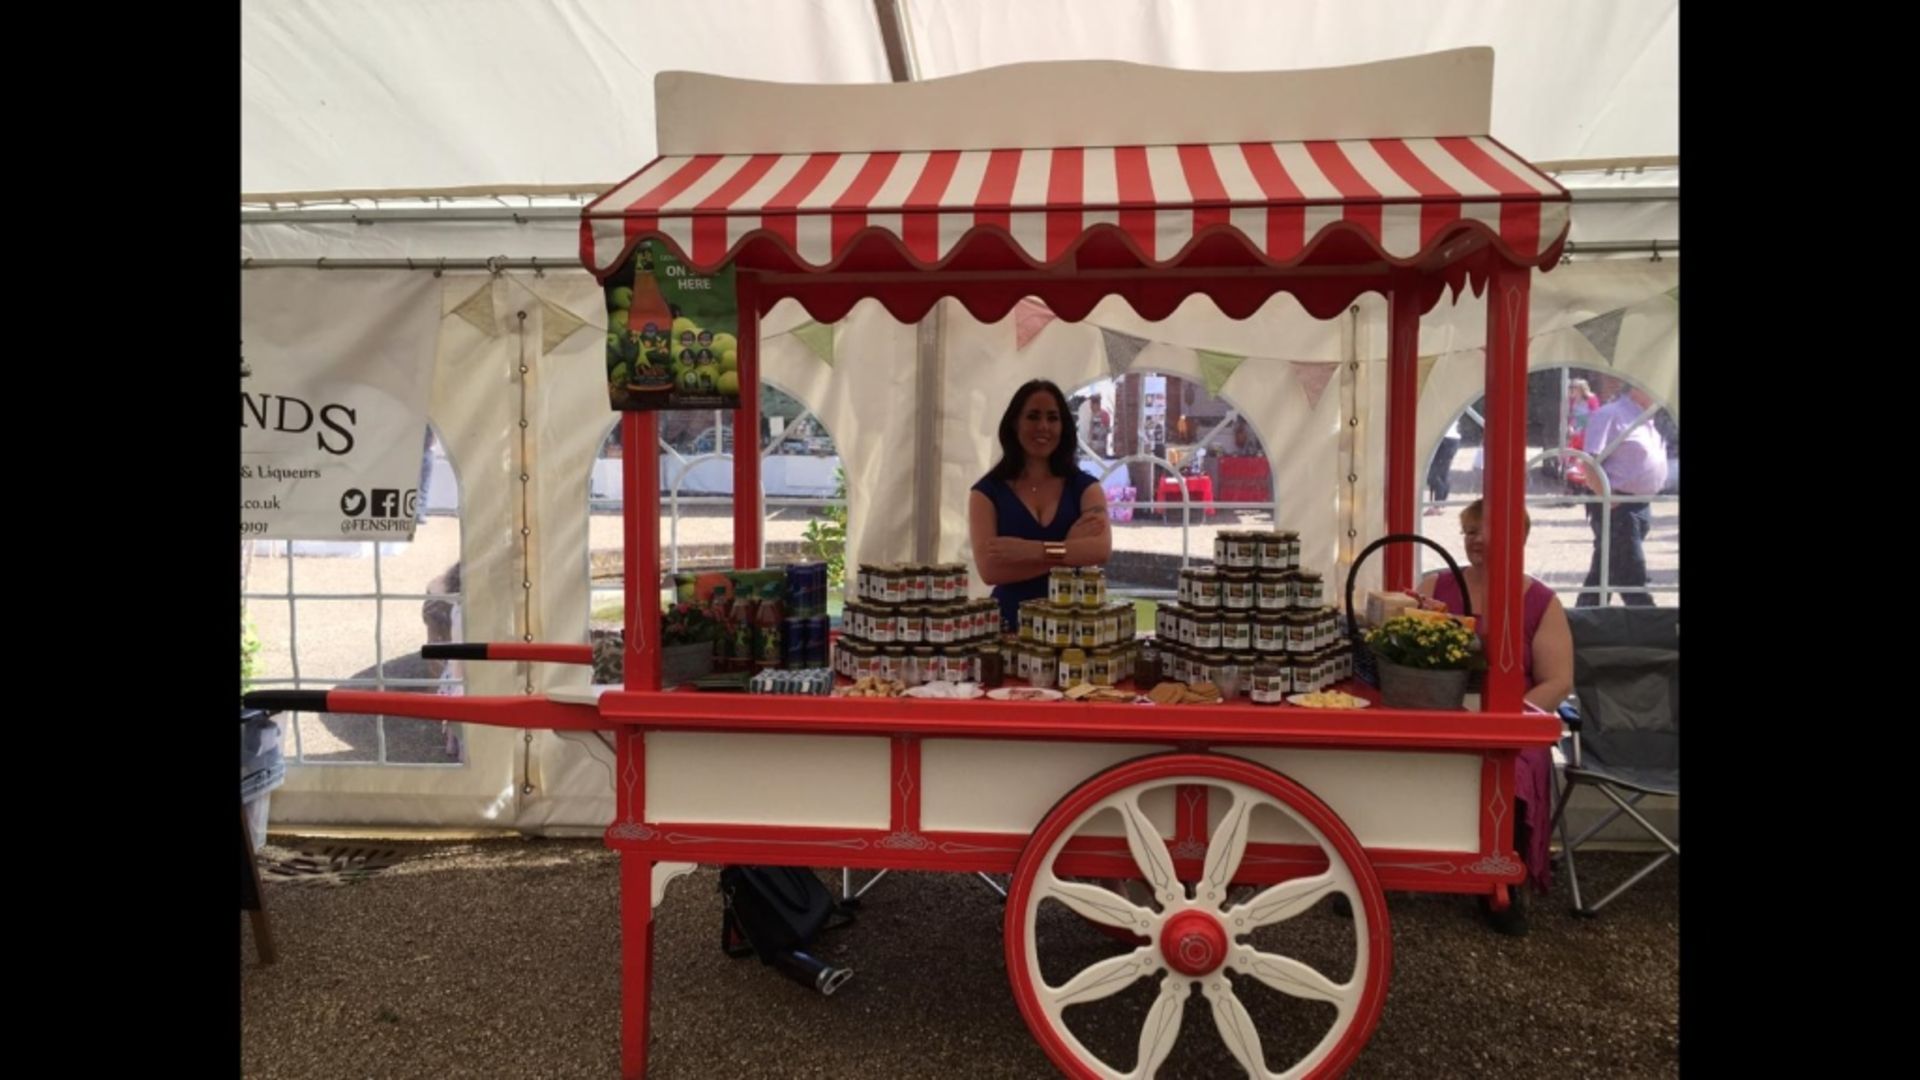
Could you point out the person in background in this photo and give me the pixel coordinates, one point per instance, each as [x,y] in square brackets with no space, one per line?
[1633,458]
[1440,470]
[1582,403]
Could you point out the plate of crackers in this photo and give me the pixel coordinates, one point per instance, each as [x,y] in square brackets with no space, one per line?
[1102,694]
[1178,693]
[1328,699]
[868,686]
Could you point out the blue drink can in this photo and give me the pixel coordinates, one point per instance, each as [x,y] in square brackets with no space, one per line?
[793,651]
[816,653]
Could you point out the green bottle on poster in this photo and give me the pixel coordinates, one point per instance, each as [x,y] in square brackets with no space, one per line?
[770,617]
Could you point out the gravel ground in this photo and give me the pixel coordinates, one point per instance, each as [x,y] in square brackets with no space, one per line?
[501,959]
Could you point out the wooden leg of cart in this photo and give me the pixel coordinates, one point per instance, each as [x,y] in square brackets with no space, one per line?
[252,899]
[636,962]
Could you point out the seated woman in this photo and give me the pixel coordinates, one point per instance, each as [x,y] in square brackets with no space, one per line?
[1548,662]
[1035,509]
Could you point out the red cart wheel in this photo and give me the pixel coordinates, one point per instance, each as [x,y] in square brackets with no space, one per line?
[1194,935]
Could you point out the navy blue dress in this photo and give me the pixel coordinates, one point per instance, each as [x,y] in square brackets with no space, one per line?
[1017,521]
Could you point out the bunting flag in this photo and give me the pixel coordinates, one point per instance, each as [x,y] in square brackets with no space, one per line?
[1603,332]
[477,310]
[1313,377]
[1426,369]
[1121,350]
[1029,318]
[818,338]
[1675,293]
[557,324]
[1216,368]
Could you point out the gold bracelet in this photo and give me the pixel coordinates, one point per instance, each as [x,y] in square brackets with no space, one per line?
[1056,552]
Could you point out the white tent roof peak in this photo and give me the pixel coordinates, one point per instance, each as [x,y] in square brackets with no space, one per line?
[1064,103]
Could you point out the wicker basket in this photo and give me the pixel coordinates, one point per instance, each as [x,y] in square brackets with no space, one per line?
[1366,666]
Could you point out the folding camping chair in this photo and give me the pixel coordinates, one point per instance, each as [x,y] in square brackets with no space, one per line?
[1625,737]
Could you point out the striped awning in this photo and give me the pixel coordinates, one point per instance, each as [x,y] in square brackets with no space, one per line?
[1404,198]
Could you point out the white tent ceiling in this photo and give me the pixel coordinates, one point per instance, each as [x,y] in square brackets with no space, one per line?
[384,95]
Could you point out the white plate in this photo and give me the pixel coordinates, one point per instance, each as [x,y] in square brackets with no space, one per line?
[1006,693]
[1301,700]
[960,692]
[580,695]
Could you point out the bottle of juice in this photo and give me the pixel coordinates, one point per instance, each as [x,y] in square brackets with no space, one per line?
[743,627]
[769,619]
[722,644]
[651,320]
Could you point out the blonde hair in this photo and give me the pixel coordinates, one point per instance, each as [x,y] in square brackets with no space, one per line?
[1477,509]
[1580,385]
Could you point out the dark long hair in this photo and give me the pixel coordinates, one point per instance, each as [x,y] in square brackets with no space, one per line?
[1061,461]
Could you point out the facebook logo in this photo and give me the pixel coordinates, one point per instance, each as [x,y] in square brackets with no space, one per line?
[386,502]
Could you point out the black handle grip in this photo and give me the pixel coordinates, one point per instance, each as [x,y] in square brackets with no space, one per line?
[276,701]
[454,651]
[1353,574]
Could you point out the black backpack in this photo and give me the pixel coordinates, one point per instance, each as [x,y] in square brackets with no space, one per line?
[776,912]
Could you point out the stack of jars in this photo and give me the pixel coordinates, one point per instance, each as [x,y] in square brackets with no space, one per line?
[1254,610]
[1073,636]
[914,624]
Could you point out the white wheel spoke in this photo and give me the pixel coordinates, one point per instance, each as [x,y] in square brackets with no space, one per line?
[1281,902]
[1199,938]
[1150,853]
[1227,847]
[1098,904]
[1291,977]
[1162,1027]
[1236,1027]
[1104,979]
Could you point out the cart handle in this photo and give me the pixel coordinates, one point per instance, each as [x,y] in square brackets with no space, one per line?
[537,713]
[279,701]
[1353,573]
[510,650]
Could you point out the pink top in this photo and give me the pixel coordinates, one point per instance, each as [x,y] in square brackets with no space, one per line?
[1446,589]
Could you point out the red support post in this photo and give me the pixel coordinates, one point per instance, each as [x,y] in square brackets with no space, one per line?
[746,429]
[1403,404]
[636,962]
[640,488]
[1506,486]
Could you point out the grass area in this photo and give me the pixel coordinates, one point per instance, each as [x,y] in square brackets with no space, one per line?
[1143,616]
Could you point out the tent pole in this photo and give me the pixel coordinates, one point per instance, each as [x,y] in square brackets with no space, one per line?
[1403,403]
[929,402]
[749,548]
[1505,486]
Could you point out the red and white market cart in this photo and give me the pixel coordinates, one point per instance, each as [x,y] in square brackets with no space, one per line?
[1071,182]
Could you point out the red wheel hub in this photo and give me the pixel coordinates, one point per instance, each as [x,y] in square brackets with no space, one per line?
[1194,943]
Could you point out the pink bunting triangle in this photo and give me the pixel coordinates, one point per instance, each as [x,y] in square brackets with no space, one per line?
[1313,377]
[1029,318]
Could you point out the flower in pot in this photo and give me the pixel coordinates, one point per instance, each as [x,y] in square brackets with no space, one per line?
[687,634]
[1425,660]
